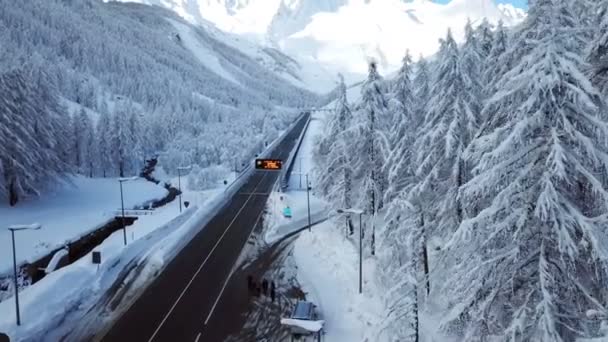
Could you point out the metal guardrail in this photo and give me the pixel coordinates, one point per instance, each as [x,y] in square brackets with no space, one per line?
[134,212]
[291,160]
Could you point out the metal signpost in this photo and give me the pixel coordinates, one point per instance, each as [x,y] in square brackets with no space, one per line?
[96,258]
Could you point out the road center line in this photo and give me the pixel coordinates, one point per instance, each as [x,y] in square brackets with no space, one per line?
[203,264]
[231,273]
[198,337]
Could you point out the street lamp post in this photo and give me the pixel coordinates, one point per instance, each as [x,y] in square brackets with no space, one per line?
[122,205]
[360,213]
[308,200]
[179,183]
[300,172]
[13,229]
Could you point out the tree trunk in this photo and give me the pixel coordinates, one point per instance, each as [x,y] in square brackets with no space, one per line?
[459,182]
[425,257]
[13,196]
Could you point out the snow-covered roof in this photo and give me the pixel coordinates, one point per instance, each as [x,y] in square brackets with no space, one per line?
[312,326]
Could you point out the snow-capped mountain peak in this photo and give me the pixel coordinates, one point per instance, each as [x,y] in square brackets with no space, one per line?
[341,35]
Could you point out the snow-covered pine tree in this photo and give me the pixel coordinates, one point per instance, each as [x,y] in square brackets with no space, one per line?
[584,12]
[374,144]
[471,61]
[87,145]
[484,35]
[401,103]
[121,143]
[336,178]
[422,91]
[30,138]
[533,257]
[54,123]
[76,142]
[598,51]
[148,139]
[135,138]
[400,256]
[405,121]
[493,69]
[450,123]
[103,142]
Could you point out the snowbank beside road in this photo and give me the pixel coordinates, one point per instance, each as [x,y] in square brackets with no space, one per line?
[68,213]
[328,270]
[49,308]
[327,263]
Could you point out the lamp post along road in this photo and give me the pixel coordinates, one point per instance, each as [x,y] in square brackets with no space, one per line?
[308,200]
[360,213]
[13,229]
[300,172]
[122,205]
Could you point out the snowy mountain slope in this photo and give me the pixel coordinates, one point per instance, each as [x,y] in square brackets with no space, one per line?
[341,35]
[202,51]
[298,72]
[127,61]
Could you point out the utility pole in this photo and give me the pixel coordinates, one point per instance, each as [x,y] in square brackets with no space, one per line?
[308,200]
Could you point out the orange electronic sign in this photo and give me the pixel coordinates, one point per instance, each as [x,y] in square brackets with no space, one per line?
[269,164]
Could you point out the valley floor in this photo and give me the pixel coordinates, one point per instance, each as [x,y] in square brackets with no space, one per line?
[75,289]
[68,212]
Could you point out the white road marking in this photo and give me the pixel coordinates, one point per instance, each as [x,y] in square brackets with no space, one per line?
[202,265]
[198,337]
[230,275]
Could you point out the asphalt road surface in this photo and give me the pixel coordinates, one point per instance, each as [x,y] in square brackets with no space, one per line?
[181,300]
